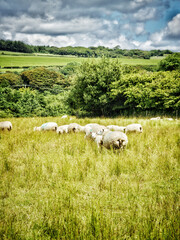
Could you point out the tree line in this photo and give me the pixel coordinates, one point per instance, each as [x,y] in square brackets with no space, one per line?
[100,51]
[92,88]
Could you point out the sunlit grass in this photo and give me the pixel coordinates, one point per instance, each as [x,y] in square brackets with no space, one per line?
[20,60]
[63,187]
[30,61]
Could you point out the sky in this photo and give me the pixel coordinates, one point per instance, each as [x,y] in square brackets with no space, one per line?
[129,24]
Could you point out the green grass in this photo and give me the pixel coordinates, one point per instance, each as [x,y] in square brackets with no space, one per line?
[20,60]
[63,187]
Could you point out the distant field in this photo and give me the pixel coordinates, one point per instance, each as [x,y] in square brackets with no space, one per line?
[14,61]
[24,61]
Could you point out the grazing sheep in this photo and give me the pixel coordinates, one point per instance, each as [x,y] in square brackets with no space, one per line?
[135,127]
[97,138]
[168,119]
[114,139]
[6,125]
[116,128]
[155,119]
[49,126]
[74,127]
[62,129]
[90,128]
[64,116]
[82,128]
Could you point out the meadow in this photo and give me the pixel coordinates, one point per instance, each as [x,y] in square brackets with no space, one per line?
[64,187]
[18,61]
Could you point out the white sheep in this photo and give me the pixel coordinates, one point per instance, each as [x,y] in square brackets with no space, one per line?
[155,118]
[114,139]
[116,128]
[88,127]
[49,126]
[64,116]
[93,128]
[74,127]
[135,127]
[62,129]
[168,119]
[97,138]
[6,125]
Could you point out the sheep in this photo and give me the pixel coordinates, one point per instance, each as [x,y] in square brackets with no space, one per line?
[93,127]
[6,125]
[97,138]
[49,126]
[135,127]
[116,128]
[155,118]
[64,116]
[74,127]
[114,139]
[62,129]
[168,119]
[88,127]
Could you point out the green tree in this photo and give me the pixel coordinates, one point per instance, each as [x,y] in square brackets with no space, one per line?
[42,79]
[10,79]
[91,92]
[170,63]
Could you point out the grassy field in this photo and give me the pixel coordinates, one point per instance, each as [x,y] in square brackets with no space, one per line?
[18,61]
[29,61]
[63,187]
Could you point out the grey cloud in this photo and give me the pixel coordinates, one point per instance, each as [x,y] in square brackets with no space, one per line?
[61,8]
[81,22]
[173,28]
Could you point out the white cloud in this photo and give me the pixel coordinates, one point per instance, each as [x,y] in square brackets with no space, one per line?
[173,28]
[40,39]
[170,35]
[88,23]
[139,29]
[145,14]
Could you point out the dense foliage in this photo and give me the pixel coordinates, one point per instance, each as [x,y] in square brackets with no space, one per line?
[28,103]
[17,46]
[170,63]
[100,87]
[36,92]
[12,79]
[107,88]
[42,78]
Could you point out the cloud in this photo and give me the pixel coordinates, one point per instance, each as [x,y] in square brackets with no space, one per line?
[88,23]
[170,32]
[167,38]
[78,25]
[145,14]
[173,28]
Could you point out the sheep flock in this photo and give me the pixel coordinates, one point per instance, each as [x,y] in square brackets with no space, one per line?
[110,137]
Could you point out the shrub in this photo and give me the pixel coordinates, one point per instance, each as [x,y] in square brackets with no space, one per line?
[91,92]
[42,79]
[170,63]
[10,79]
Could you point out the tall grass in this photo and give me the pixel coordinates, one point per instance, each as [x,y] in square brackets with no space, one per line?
[63,187]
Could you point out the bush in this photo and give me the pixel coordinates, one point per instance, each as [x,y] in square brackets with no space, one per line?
[170,63]
[105,88]
[91,92]
[42,79]
[10,79]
